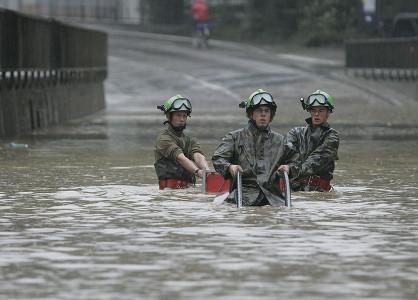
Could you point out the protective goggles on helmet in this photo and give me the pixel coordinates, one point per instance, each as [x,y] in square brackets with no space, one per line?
[179,103]
[319,98]
[257,99]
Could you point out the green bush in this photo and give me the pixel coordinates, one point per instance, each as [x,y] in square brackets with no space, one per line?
[329,21]
[311,22]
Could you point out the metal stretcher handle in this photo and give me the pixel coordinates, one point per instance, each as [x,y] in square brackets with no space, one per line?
[287,192]
[239,189]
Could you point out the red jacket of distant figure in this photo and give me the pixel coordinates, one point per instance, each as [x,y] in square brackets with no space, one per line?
[200,11]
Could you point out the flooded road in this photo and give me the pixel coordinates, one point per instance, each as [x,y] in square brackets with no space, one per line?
[78,225]
[81,216]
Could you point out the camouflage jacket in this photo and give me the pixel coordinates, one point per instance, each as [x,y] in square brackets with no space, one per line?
[311,152]
[257,152]
[169,144]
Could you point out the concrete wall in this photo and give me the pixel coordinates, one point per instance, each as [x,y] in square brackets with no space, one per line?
[49,73]
[25,109]
[120,11]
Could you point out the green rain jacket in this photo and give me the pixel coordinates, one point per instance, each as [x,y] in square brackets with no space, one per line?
[257,152]
[169,144]
[311,152]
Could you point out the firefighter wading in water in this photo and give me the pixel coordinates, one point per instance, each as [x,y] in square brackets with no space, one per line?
[178,157]
[252,150]
[312,149]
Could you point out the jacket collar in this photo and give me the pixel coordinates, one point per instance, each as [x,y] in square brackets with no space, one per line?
[255,130]
[173,131]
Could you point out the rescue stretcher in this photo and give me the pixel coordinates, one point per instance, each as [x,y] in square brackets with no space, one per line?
[214,183]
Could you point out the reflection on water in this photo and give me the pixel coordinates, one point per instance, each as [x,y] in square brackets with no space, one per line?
[83,224]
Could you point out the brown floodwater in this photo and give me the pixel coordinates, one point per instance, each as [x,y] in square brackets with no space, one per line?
[81,216]
[84,219]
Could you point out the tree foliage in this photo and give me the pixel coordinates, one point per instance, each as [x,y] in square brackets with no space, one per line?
[329,21]
[271,18]
[164,11]
[316,22]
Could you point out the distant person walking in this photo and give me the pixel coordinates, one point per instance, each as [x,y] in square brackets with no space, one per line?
[311,150]
[200,11]
[178,157]
[200,15]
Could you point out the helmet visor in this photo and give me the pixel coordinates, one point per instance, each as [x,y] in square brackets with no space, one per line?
[259,98]
[319,98]
[179,103]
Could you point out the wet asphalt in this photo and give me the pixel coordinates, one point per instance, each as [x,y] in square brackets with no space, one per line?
[146,69]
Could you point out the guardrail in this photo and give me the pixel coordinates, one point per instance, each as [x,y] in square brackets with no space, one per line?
[49,72]
[390,58]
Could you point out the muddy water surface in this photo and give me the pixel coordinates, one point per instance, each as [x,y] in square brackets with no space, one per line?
[81,216]
[84,219]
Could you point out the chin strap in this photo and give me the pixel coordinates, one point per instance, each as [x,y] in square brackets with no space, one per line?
[181,128]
